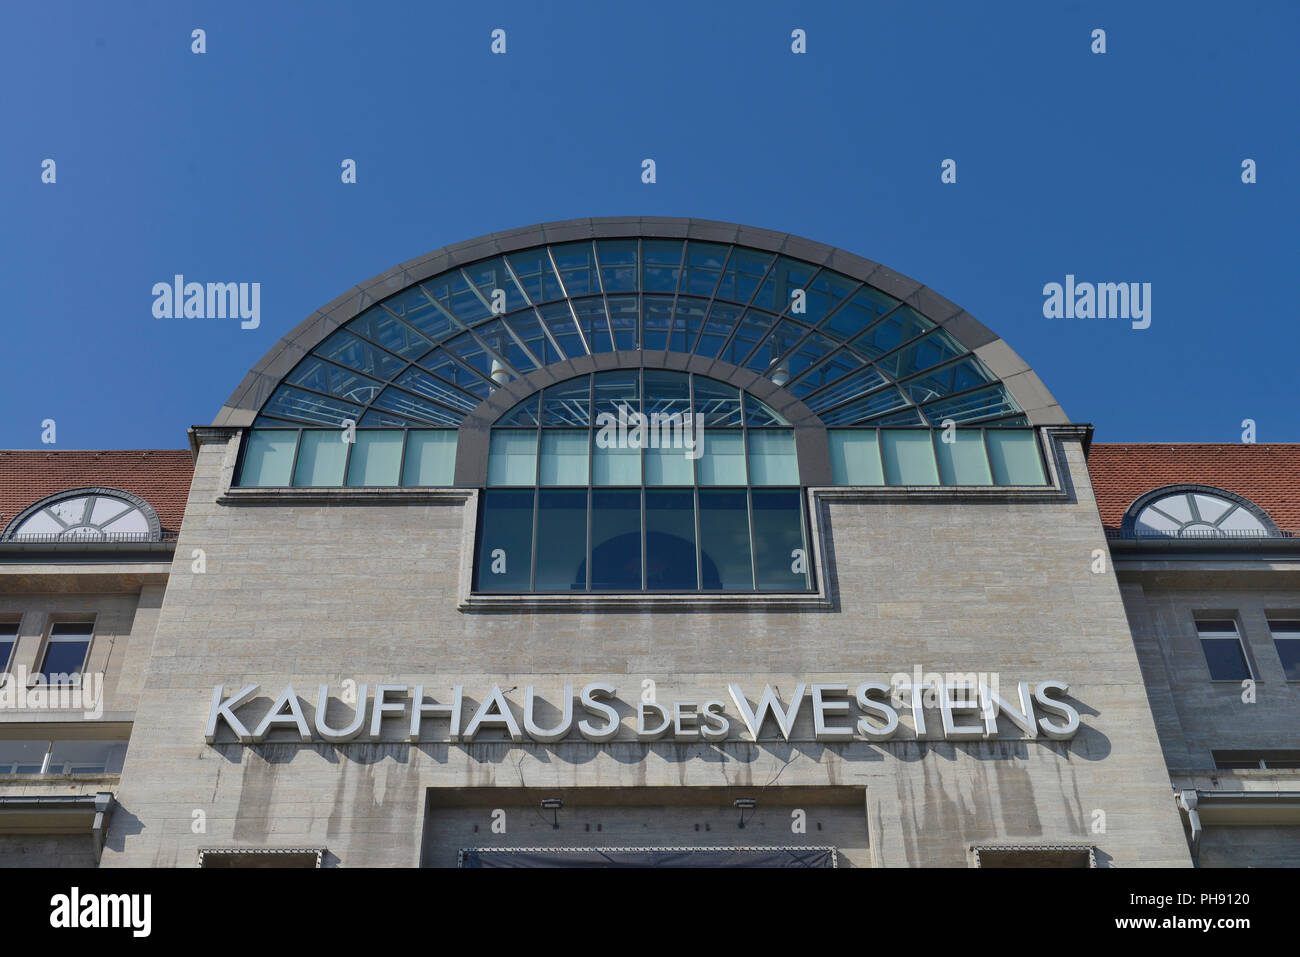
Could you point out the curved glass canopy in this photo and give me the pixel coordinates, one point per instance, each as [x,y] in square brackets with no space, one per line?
[427,355]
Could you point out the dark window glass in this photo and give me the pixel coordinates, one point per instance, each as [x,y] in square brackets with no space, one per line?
[65,651]
[1223,651]
[724,540]
[506,540]
[9,638]
[616,540]
[561,540]
[670,540]
[1286,637]
[780,557]
[663,259]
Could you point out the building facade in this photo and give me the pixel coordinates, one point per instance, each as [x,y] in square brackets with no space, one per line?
[648,541]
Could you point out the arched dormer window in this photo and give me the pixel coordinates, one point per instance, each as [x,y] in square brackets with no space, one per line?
[1196,511]
[86,515]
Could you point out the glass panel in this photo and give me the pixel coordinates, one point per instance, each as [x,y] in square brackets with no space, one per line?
[445,367]
[658,320]
[527,327]
[667,393]
[471,352]
[417,409]
[612,465]
[958,377]
[64,660]
[533,267]
[1226,660]
[670,541]
[925,353]
[615,391]
[810,352]
[321,456]
[559,320]
[321,376]
[422,383]
[6,652]
[780,554]
[430,458]
[567,404]
[669,466]
[703,266]
[505,540]
[891,332]
[722,319]
[564,457]
[962,461]
[577,264]
[491,276]
[524,414]
[561,540]
[376,458]
[785,277]
[850,387]
[971,406]
[855,457]
[378,419]
[1014,457]
[617,264]
[512,457]
[752,329]
[86,757]
[663,261]
[268,457]
[724,540]
[418,309]
[458,296]
[616,541]
[744,271]
[346,349]
[687,321]
[595,323]
[718,403]
[779,340]
[292,403]
[723,461]
[759,413]
[909,457]
[379,325]
[23,757]
[1288,650]
[623,312]
[772,459]
[500,341]
[863,409]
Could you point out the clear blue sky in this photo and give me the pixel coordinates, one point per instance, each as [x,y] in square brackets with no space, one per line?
[225,167]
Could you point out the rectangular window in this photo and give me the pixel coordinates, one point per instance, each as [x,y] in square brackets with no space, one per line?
[1269,760]
[1224,653]
[963,460]
[8,639]
[512,457]
[723,461]
[505,549]
[667,466]
[564,457]
[1013,453]
[772,458]
[65,651]
[321,455]
[614,465]
[670,540]
[376,458]
[909,457]
[23,757]
[430,457]
[1286,638]
[855,457]
[268,457]
[86,757]
[616,540]
[780,553]
[724,540]
[561,540]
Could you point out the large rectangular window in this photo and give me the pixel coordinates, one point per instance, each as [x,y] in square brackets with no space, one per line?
[616,540]
[1286,638]
[1013,454]
[967,457]
[855,457]
[670,540]
[724,540]
[780,553]
[268,457]
[512,457]
[723,461]
[909,457]
[561,540]
[1224,653]
[376,458]
[564,457]
[321,455]
[962,460]
[430,457]
[505,538]
[65,651]
[772,458]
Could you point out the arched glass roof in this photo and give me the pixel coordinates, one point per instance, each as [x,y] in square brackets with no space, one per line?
[430,353]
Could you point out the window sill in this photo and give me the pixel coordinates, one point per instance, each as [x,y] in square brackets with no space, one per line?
[632,601]
[343,495]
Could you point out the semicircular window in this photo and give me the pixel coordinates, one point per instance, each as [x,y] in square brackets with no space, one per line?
[427,355]
[87,515]
[1200,513]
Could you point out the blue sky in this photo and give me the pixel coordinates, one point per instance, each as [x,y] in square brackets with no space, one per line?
[1122,167]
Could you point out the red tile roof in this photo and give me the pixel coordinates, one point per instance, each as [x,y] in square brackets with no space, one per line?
[161,478]
[1268,475]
